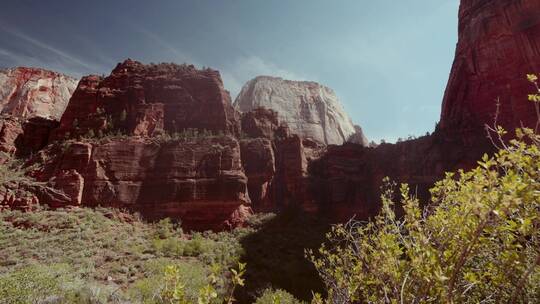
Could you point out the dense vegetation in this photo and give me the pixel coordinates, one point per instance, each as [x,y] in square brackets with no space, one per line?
[107,256]
[102,255]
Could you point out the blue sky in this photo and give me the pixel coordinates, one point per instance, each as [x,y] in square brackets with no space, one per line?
[387,60]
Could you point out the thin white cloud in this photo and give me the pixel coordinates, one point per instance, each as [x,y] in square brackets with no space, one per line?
[14,57]
[89,66]
[244,68]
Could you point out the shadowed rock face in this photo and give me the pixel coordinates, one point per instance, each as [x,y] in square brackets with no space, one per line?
[10,133]
[276,162]
[146,100]
[259,164]
[31,92]
[499,43]
[308,108]
[347,179]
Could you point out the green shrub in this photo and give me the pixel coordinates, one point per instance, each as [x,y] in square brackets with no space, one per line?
[258,220]
[271,296]
[179,289]
[34,284]
[192,274]
[166,229]
[116,257]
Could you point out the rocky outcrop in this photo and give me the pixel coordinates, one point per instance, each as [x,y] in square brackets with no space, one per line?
[32,102]
[309,109]
[499,43]
[259,163]
[32,92]
[263,123]
[276,162]
[20,138]
[11,131]
[146,100]
[199,181]
[358,137]
[13,197]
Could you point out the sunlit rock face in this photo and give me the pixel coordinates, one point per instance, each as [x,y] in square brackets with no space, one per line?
[145,100]
[309,109]
[499,43]
[32,92]
[157,167]
[199,181]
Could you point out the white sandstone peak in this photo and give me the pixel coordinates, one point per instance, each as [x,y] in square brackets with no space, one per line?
[33,92]
[311,110]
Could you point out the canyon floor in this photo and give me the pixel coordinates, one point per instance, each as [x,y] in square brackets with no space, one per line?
[105,255]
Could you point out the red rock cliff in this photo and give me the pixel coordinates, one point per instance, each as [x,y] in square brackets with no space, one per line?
[499,43]
[199,180]
[137,152]
[146,100]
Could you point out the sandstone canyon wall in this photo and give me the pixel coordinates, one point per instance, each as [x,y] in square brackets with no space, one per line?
[499,43]
[308,108]
[32,102]
[198,180]
[138,99]
[165,140]
[158,139]
[498,46]
[32,92]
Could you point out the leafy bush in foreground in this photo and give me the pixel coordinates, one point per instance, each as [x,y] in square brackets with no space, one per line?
[478,240]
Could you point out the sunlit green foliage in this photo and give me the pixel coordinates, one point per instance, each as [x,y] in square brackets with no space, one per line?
[177,288]
[278,296]
[106,256]
[478,241]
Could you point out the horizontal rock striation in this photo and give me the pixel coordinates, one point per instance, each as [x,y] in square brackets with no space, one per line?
[199,181]
[157,139]
[346,181]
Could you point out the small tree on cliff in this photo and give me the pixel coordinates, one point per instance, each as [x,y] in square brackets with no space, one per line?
[477,242]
